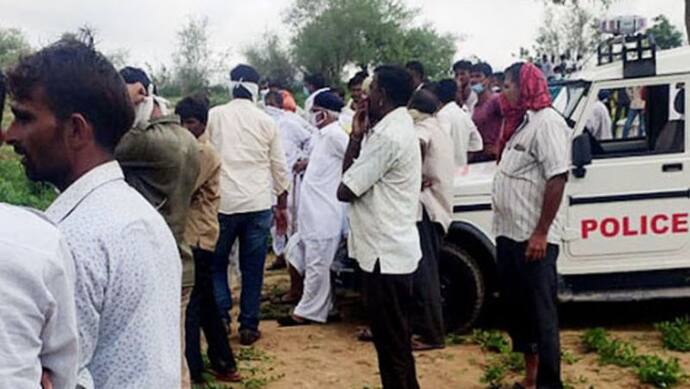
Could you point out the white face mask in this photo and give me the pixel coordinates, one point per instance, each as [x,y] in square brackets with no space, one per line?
[143,111]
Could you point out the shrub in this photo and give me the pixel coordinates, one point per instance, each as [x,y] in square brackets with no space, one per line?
[675,334]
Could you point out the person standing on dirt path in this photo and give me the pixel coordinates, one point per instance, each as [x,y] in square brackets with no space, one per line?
[201,234]
[527,193]
[253,170]
[382,177]
[71,109]
[320,215]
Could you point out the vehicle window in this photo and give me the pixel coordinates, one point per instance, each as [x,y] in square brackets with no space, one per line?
[638,120]
[568,96]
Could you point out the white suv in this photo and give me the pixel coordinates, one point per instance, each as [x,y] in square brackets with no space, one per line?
[627,199]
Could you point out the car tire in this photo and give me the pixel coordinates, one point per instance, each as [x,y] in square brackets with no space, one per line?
[463,288]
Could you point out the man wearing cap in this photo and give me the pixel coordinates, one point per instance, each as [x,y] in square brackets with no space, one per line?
[320,215]
[160,159]
[253,170]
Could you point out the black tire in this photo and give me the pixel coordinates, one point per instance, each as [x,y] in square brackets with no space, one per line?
[463,289]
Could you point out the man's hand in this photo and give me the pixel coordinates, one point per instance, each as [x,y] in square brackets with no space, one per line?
[536,247]
[281,218]
[46,383]
[360,124]
[300,166]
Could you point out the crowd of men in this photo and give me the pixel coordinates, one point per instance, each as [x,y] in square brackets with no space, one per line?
[115,281]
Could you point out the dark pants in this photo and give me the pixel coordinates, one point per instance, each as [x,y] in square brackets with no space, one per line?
[252,229]
[387,298]
[427,313]
[529,292]
[202,312]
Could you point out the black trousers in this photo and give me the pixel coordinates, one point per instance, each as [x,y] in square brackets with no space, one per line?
[427,313]
[529,293]
[202,312]
[387,298]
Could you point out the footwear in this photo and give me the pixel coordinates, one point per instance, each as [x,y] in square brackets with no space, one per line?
[365,335]
[249,337]
[291,321]
[230,376]
[285,299]
[421,346]
[278,264]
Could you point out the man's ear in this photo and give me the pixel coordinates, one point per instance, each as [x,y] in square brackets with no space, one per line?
[79,133]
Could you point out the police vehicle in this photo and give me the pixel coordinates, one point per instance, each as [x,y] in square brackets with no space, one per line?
[626,202]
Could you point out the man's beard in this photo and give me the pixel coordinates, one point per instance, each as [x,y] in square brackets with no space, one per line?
[143,111]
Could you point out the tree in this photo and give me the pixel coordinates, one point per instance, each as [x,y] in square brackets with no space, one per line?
[569,29]
[13,44]
[193,58]
[331,34]
[666,35]
[272,60]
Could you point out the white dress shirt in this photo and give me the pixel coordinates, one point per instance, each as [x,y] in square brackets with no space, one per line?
[457,123]
[537,152]
[38,326]
[320,214]
[128,277]
[294,136]
[599,122]
[253,160]
[386,178]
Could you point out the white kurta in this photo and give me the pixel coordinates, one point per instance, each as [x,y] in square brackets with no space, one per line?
[459,125]
[295,139]
[320,222]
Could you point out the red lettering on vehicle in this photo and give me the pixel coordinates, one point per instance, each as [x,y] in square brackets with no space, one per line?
[659,224]
[610,227]
[655,224]
[588,225]
[679,223]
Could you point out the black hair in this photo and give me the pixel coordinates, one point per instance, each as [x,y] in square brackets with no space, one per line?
[425,101]
[462,65]
[446,90]
[482,67]
[275,83]
[316,80]
[513,71]
[243,73]
[500,76]
[3,92]
[133,75]
[357,79]
[275,97]
[397,83]
[75,78]
[193,107]
[416,67]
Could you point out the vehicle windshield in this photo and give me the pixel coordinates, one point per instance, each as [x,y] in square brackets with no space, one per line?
[568,96]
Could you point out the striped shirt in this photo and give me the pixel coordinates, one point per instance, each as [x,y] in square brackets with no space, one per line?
[537,152]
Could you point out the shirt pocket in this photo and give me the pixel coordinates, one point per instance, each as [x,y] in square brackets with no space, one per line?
[518,161]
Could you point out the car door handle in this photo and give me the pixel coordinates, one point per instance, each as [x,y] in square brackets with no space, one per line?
[672,167]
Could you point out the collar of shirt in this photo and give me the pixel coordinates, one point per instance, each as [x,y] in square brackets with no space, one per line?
[274,112]
[81,188]
[392,117]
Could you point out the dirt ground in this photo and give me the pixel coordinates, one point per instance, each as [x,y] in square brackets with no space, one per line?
[329,356]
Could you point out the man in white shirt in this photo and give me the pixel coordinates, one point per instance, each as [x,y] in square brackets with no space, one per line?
[253,171]
[295,140]
[382,177]
[433,220]
[599,121]
[320,214]
[457,123]
[38,324]
[527,194]
[71,109]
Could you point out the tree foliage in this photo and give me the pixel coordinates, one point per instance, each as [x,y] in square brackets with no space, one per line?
[331,34]
[272,60]
[13,44]
[571,28]
[193,57]
[666,35]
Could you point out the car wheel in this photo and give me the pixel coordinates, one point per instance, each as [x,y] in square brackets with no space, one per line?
[462,288]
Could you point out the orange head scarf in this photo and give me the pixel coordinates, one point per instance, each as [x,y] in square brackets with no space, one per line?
[534,96]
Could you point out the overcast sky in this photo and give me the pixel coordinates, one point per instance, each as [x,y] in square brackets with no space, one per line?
[493,29]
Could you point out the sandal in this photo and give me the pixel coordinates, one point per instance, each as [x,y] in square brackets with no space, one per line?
[365,335]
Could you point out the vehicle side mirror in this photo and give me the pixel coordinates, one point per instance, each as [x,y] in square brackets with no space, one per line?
[581,154]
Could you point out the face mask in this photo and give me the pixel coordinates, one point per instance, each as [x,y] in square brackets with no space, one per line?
[305,91]
[496,89]
[143,111]
[478,88]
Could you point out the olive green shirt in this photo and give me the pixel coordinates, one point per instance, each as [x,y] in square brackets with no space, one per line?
[161,161]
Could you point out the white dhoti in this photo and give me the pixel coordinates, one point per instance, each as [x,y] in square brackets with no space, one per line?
[312,258]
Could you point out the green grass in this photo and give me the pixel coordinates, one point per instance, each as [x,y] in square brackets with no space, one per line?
[16,189]
[675,334]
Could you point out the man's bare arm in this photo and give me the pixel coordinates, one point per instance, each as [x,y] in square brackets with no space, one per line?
[553,195]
